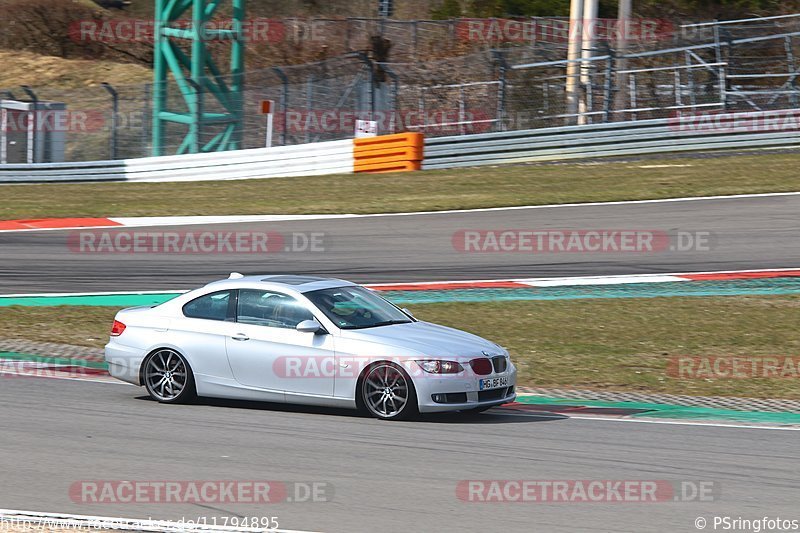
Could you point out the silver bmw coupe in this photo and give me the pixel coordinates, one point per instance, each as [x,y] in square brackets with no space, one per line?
[305,340]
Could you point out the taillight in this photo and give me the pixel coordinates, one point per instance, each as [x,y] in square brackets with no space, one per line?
[481,366]
[117,328]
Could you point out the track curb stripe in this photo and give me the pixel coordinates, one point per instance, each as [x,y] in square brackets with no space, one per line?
[637,410]
[586,280]
[56,223]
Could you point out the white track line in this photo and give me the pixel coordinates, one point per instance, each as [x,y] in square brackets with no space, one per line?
[686,423]
[239,219]
[645,420]
[671,422]
[187,221]
[55,520]
[615,279]
[68,294]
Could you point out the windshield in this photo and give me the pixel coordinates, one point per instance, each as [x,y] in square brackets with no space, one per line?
[356,308]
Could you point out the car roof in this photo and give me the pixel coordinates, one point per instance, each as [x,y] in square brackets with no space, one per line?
[299,283]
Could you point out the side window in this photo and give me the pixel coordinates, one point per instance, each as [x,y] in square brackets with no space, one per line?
[271,309]
[212,306]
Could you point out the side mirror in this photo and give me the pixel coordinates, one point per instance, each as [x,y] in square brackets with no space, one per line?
[406,311]
[309,326]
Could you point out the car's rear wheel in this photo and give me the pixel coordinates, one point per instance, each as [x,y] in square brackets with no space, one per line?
[168,377]
[387,392]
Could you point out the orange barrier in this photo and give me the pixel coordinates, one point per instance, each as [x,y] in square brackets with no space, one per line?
[400,152]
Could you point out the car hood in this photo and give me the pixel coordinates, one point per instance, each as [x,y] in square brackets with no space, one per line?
[426,339]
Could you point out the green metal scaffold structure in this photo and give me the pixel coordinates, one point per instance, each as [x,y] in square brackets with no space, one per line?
[197,75]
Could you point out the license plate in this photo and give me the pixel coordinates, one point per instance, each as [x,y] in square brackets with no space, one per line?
[493,383]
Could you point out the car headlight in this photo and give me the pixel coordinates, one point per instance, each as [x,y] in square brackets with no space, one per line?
[440,367]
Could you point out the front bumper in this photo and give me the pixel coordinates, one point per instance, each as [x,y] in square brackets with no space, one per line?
[460,387]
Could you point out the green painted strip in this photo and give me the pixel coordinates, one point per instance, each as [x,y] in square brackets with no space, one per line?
[771,286]
[681,412]
[14,356]
[117,300]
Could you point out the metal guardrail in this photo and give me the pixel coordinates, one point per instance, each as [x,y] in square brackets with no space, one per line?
[300,160]
[48,172]
[641,137]
[606,140]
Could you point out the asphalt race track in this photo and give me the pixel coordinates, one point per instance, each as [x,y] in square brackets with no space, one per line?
[394,476]
[748,233]
[385,476]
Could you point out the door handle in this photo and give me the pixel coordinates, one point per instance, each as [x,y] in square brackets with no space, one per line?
[240,337]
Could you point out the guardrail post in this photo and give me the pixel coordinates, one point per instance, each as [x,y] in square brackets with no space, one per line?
[32,137]
[717,42]
[4,129]
[147,115]
[395,91]
[690,80]
[114,117]
[500,61]
[608,84]
[723,88]
[723,81]
[284,98]
[792,67]
[309,101]
[415,38]
[371,74]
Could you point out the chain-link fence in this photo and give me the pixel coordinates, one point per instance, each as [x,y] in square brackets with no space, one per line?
[749,66]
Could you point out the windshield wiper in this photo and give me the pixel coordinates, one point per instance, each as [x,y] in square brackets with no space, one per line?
[384,323]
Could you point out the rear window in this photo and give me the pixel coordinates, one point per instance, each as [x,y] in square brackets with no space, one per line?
[212,306]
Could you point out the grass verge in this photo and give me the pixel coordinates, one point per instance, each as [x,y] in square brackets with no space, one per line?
[415,191]
[619,344]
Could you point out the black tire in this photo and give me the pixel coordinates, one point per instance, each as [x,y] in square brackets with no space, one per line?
[168,378]
[381,390]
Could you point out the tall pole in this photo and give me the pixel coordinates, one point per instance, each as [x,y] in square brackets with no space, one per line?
[623,29]
[573,54]
[587,45]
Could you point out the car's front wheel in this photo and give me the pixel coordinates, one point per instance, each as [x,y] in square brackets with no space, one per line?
[168,377]
[387,392]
